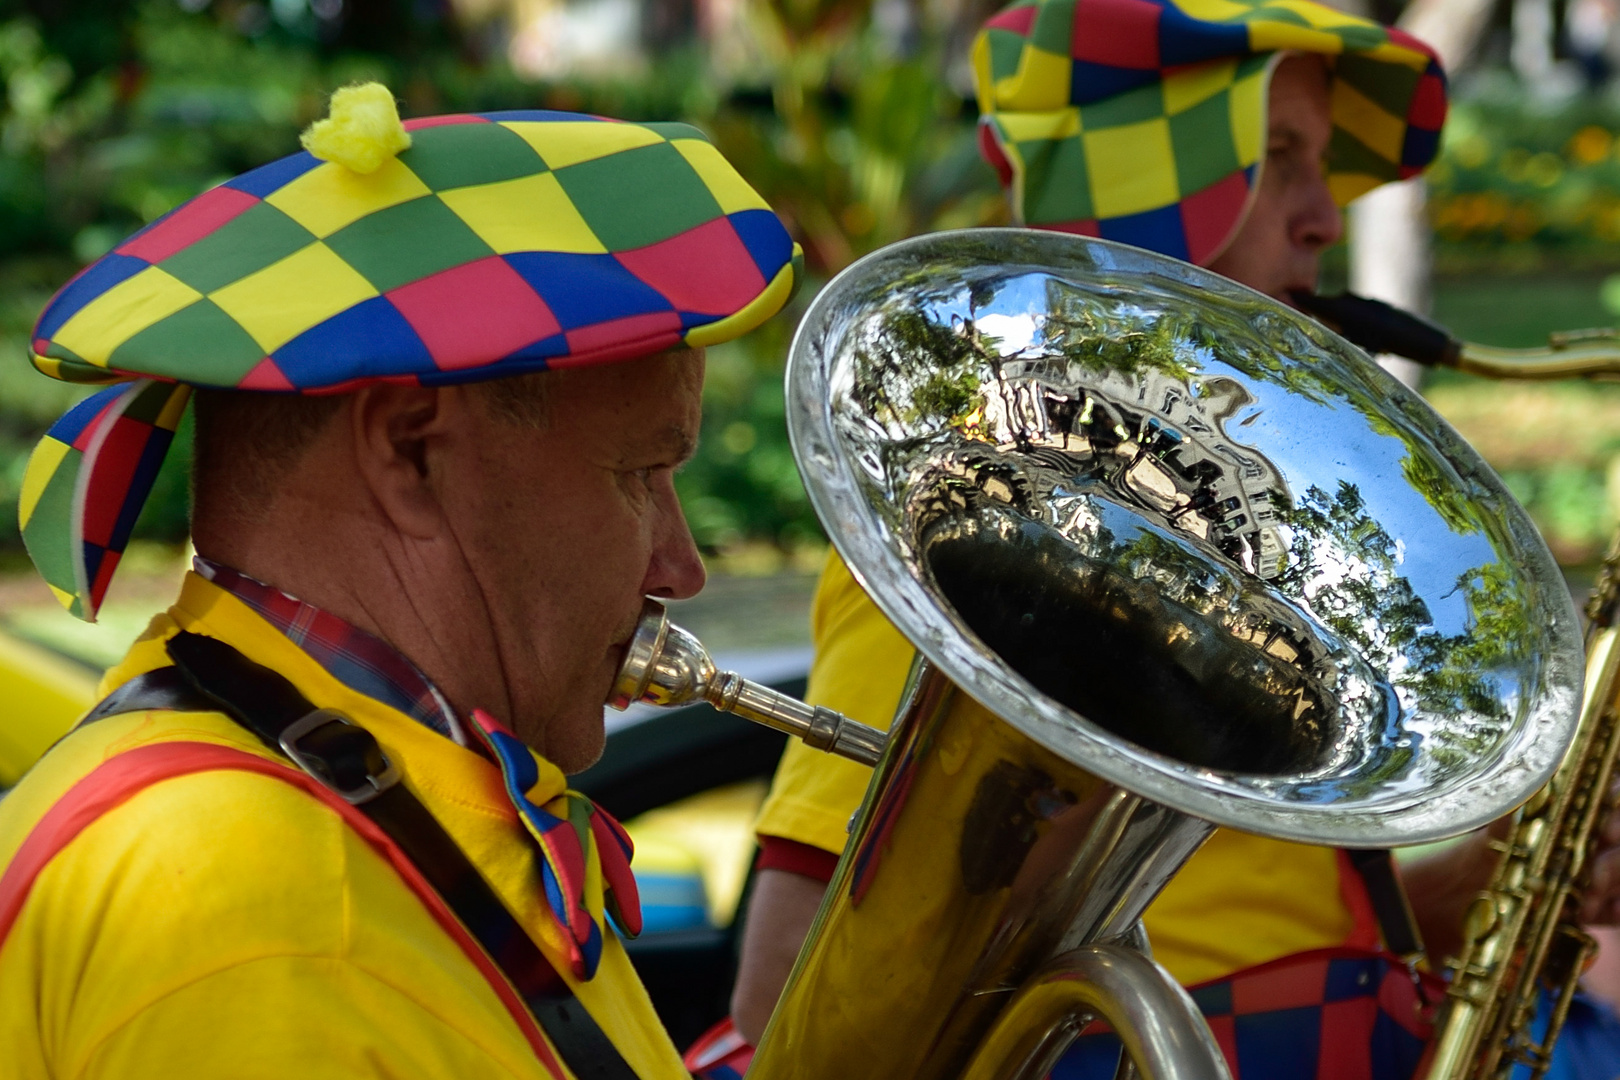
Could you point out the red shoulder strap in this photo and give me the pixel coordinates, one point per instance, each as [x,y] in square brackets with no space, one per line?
[116,780]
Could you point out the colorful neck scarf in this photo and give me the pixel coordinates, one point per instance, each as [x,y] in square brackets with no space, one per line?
[442,250]
[1144,121]
[584,853]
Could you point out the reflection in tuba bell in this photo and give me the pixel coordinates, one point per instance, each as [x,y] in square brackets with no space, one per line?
[1172,556]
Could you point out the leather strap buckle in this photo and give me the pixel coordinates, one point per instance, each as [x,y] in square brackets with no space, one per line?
[341,754]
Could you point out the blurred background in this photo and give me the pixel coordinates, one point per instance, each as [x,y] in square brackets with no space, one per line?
[856,120]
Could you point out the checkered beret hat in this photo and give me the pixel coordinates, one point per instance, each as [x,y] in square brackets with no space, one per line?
[444,250]
[1144,121]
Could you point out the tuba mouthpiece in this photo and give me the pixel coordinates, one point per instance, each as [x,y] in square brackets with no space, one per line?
[668,667]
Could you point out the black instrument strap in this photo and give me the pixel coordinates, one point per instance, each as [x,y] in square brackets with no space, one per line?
[1389,903]
[162,688]
[209,674]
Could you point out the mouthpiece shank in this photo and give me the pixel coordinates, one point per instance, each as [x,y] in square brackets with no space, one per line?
[666,666]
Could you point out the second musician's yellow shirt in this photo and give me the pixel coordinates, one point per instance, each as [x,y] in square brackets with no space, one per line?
[1242,900]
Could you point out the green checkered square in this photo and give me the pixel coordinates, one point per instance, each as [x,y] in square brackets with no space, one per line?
[1352,156]
[250,241]
[406,243]
[198,344]
[459,155]
[1006,47]
[1053,28]
[1057,181]
[1202,143]
[54,559]
[1130,107]
[638,197]
[1272,13]
[1390,86]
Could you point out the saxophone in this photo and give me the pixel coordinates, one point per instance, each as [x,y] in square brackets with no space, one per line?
[1524,950]
[1523,934]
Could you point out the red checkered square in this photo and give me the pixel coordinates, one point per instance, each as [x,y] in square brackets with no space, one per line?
[439,121]
[618,339]
[511,315]
[1345,1048]
[266,375]
[1117,33]
[1287,987]
[1224,1028]
[1399,1000]
[104,573]
[189,224]
[704,271]
[1077,228]
[1428,108]
[1207,216]
[1018,20]
[117,460]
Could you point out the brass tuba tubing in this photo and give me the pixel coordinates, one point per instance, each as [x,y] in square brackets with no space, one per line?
[1163,1033]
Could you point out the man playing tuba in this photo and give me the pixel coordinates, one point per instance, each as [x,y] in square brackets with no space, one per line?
[1229,135]
[319,826]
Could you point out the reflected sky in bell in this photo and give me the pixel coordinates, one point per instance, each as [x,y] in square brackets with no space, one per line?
[1299,436]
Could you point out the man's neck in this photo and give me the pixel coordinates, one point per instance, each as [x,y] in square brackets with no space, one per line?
[389,586]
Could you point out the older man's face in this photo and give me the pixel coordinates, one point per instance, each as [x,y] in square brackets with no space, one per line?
[1293,217]
[576,522]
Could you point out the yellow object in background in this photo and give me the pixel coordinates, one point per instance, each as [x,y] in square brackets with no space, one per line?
[41,695]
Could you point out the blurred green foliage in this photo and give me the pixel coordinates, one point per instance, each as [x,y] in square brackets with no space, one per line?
[1522,184]
[116,112]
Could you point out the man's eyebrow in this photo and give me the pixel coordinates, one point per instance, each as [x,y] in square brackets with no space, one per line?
[682,444]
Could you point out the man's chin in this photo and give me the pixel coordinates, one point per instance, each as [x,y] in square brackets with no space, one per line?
[575,747]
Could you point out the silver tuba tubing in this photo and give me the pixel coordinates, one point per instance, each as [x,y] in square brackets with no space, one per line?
[1172,555]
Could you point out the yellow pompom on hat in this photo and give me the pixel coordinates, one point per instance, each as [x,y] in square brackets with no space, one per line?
[361,131]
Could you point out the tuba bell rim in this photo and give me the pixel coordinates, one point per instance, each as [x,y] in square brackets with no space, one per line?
[1508,775]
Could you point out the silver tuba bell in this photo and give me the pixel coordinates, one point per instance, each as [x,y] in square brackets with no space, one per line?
[1172,556]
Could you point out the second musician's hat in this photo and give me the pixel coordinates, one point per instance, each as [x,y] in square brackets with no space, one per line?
[1144,121]
[442,250]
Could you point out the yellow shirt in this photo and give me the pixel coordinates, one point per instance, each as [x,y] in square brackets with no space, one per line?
[226,923]
[1241,900]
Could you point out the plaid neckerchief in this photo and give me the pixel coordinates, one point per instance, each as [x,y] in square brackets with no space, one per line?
[363,662]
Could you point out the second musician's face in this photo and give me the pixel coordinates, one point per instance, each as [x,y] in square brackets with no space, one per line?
[1293,217]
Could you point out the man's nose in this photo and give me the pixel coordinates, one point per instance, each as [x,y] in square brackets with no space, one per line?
[1318,222]
[676,570]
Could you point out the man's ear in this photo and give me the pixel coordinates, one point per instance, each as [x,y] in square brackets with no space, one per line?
[396,431]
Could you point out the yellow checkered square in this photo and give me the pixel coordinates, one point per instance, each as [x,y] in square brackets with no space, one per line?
[288,297]
[1391,53]
[329,196]
[1264,37]
[42,465]
[1364,118]
[1029,127]
[1347,187]
[1133,168]
[1195,85]
[123,311]
[1041,82]
[569,142]
[1212,10]
[1318,15]
[1246,107]
[549,221]
[730,190]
